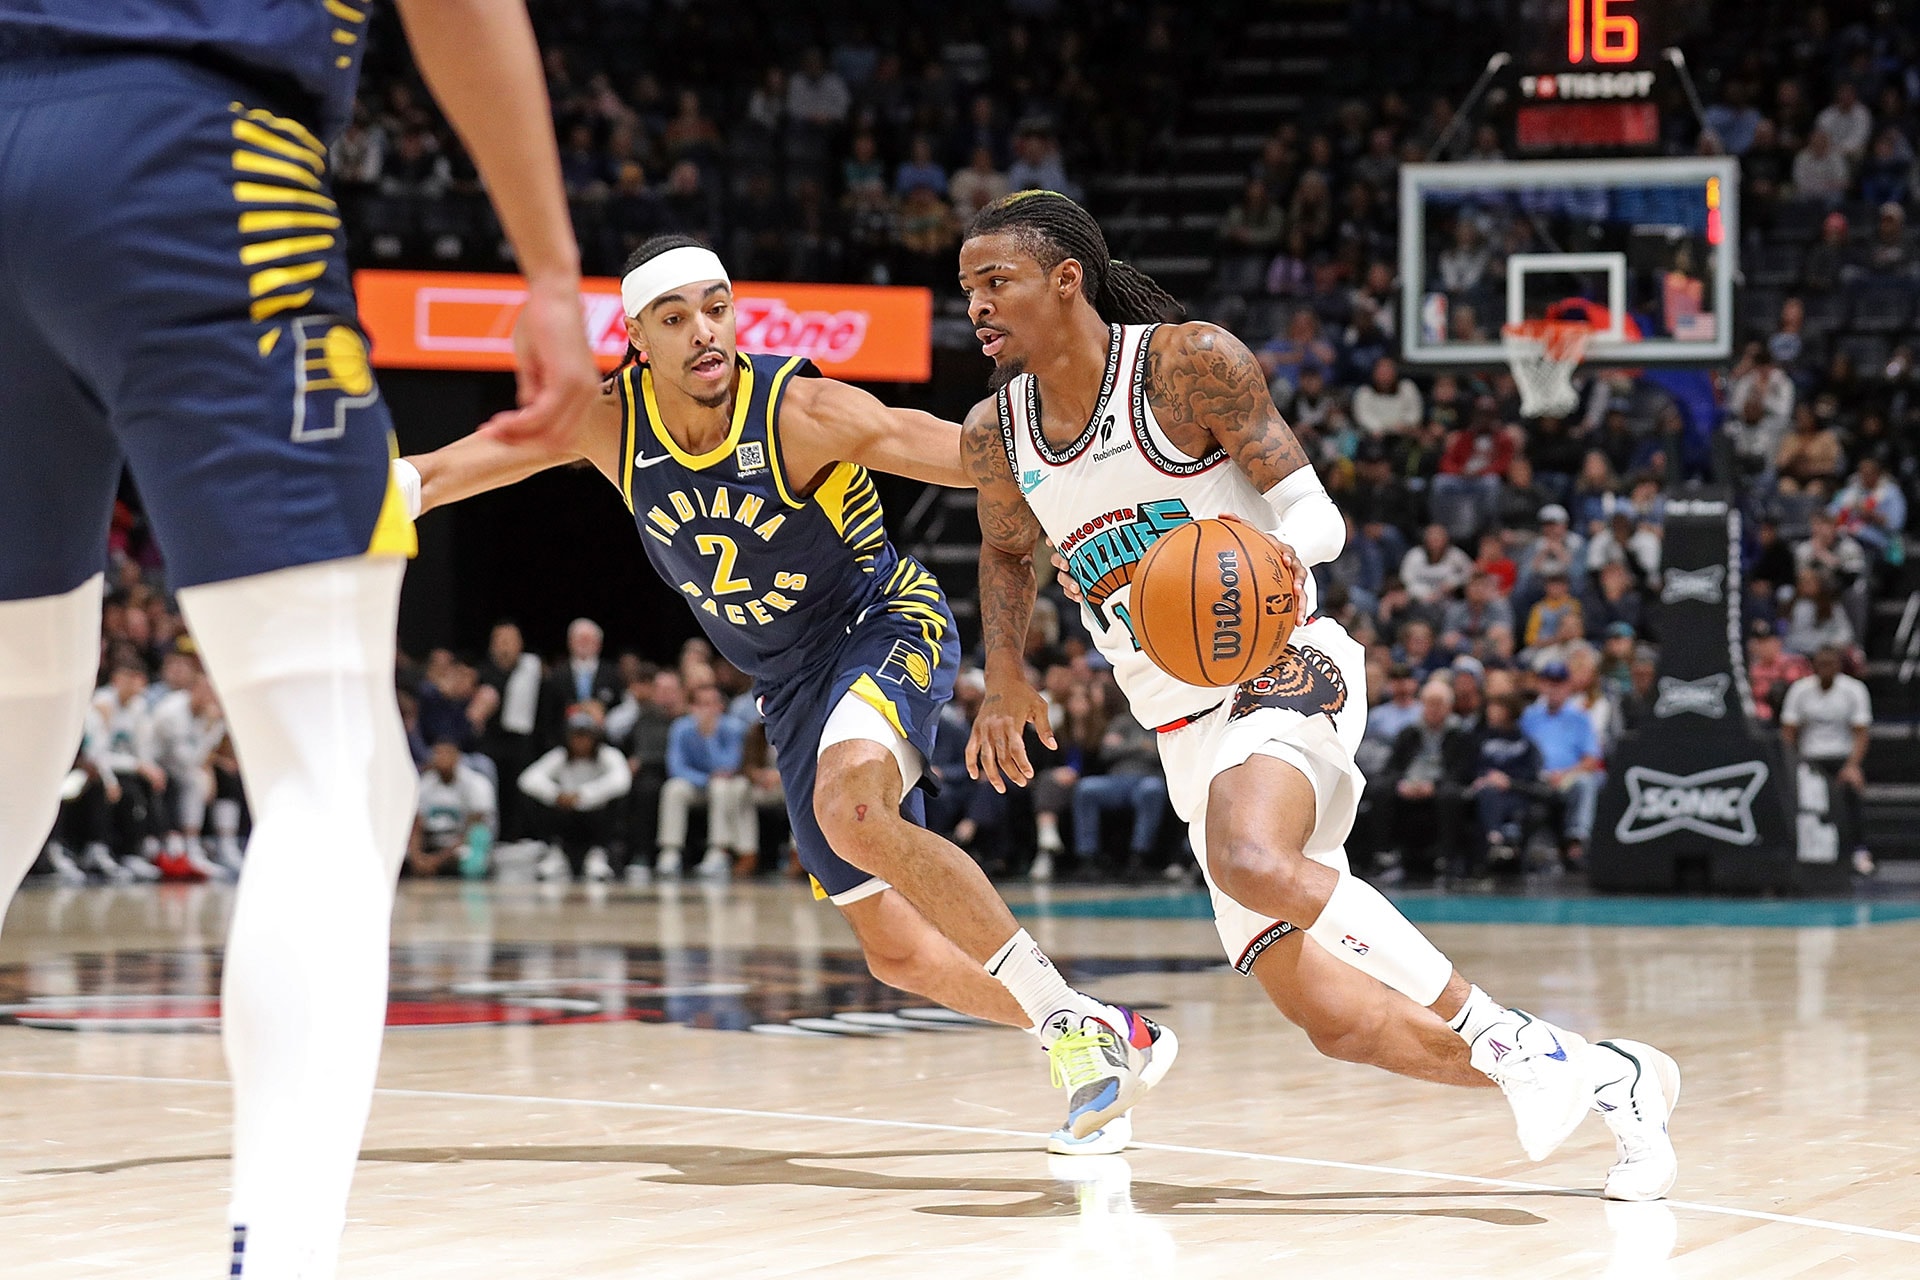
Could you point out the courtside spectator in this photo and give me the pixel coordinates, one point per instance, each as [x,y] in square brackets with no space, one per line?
[1130,780]
[1424,784]
[571,792]
[508,711]
[1772,668]
[1506,773]
[1570,760]
[455,818]
[584,677]
[1825,721]
[703,771]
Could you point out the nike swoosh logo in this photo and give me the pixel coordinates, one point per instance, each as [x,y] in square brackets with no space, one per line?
[1559,1054]
[641,464]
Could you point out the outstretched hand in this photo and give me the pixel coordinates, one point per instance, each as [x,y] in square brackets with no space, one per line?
[997,751]
[555,379]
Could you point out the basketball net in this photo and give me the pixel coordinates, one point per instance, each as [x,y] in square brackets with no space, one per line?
[1543,355]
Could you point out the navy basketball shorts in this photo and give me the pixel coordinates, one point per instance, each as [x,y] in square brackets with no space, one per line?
[174,296]
[901,661]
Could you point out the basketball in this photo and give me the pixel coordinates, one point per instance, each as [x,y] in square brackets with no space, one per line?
[1213,603]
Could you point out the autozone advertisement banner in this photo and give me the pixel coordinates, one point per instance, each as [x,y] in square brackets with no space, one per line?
[449,320]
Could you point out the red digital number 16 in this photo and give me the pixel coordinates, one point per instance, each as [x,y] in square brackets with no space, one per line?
[1616,37]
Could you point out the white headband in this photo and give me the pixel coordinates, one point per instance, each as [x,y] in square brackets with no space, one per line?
[667,272]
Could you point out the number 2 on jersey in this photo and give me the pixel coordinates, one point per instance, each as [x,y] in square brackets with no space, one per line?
[724,583]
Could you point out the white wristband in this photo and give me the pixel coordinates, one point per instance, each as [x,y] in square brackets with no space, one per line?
[407,476]
[1306,518]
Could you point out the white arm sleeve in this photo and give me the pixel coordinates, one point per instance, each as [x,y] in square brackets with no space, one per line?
[1306,518]
[407,476]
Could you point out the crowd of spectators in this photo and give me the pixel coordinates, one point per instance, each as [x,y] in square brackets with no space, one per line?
[1501,570]
[813,149]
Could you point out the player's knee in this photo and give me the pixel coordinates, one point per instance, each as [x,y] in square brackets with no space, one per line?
[855,819]
[1249,866]
[1348,1037]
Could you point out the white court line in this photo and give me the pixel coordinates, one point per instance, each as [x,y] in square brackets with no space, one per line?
[1759,1215]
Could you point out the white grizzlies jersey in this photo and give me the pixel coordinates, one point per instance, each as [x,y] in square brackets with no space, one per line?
[1108,496]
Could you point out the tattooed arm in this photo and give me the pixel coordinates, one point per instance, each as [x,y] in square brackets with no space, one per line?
[1008,533]
[1208,391]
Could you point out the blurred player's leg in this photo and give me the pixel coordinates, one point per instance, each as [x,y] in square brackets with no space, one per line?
[59,466]
[47,657]
[303,662]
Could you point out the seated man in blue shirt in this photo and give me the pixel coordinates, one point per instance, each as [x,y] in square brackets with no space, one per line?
[1570,760]
[703,768]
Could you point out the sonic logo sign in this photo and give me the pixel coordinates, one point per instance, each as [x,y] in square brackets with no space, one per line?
[450,320]
[1702,585]
[1704,697]
[1716,803]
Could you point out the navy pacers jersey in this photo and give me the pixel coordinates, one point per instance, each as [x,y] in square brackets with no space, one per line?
[311,46]
[804,594]
[775,579]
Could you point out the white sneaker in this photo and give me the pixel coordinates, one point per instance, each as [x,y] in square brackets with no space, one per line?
[1042,868]
[1107,1070]
[65,870]
[639,874]
[99,861]
[1111,1140]
[667,867]
[597,870]
[1635,1089]
[715,866]
[1538,1066]
[553,865]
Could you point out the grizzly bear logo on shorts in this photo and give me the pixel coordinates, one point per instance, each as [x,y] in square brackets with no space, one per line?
[1304,680]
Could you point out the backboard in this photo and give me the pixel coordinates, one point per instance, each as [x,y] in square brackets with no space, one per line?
[1644,250]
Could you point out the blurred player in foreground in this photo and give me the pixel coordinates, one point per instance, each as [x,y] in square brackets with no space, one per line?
[174,295]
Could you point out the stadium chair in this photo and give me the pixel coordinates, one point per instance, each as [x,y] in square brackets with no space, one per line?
[1776,266]
[1882,309]
[1826,312]
[1868,352]
[1798,221]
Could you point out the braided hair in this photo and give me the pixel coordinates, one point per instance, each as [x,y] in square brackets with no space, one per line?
[1053,228]
[651,248]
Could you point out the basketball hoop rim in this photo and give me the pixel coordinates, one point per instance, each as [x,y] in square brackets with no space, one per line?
[1559,340]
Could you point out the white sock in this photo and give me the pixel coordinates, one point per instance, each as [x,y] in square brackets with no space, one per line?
[48,649]
[1050,1004]
[303,662]
[1476,1015]
[1368,932]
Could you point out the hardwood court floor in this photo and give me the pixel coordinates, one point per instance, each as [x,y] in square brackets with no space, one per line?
[577,1096]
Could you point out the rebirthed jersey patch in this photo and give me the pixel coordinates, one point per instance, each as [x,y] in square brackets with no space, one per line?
[1304,680]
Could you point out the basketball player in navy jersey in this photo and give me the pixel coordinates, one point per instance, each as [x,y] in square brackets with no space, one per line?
[174,296]
[747,477]
[1112,423]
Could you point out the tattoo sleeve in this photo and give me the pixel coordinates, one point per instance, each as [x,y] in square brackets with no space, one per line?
[1206,389]
[1008,533]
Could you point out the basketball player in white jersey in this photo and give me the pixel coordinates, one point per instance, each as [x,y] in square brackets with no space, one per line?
[1105,431]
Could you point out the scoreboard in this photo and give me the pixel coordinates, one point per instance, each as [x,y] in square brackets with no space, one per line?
[1590,71]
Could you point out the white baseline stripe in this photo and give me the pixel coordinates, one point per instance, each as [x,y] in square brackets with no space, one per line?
[522,1099]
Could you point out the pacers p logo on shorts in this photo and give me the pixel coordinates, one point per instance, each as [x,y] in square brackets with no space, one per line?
[331,375]
[907,665]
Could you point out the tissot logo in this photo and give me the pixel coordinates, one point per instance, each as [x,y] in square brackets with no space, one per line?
[1704,697]
[1716,803]
[1704,586]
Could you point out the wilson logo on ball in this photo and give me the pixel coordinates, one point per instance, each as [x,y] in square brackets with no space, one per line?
[1226,610]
